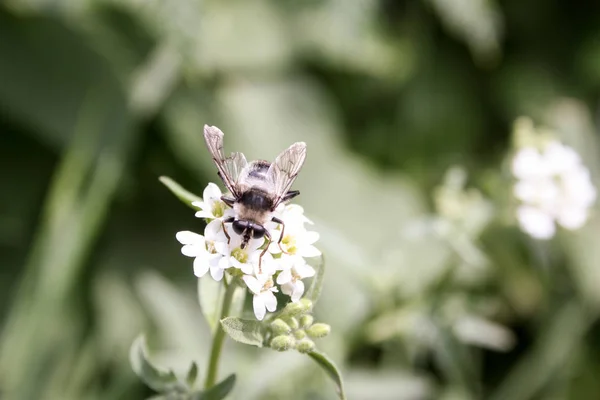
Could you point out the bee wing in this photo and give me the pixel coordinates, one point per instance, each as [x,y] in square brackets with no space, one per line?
[229,167]
[285,169]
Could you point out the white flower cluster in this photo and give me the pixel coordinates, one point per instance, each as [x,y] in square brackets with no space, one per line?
[282,264]
[553,186]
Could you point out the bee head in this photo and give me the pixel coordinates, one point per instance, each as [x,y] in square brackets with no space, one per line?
[247,230]
[258,231]
[239,226]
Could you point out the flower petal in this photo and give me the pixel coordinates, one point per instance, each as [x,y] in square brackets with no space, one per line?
[259,307]
[200,266]
[254,244]
[287,288]
[535,222]
[222,248]
[274,247]
[224,263]
[298,291]
[284,276]
[191,250]
[269,300]
[309,251]
[253,284]
[572,217]
[216,273]
[246,268]
[214,231]
[305,270]
[310,237]
[204,214]
[561,158]
[188,237]
[529,163]
[211,193]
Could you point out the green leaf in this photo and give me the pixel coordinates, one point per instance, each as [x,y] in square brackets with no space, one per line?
[314,290]
[187,197]
[210,296]
[192,374]
[244,330]
[159,380]
[331,369]
[217,392]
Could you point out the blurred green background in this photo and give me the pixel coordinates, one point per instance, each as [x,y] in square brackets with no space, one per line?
[431,293]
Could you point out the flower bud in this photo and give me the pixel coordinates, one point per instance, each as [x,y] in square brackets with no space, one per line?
[279,327]
[282,343]
[305,346]
[293,309]
[299,334]
[318,330]
[293,323]
[306,320]
[306,304]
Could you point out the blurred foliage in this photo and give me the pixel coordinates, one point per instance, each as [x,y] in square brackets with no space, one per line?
[430,290]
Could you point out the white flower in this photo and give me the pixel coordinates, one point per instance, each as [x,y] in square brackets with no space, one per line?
[211,206]
[554,187]
[291,279]
[204,253]
[296,239]
[263,288]
[528,163]
[536,222]
[247,259]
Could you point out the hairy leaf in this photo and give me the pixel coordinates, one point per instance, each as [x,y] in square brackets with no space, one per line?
[155,378]
[244,330]
[217,392]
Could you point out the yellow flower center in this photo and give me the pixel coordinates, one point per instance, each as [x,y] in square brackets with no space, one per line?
[218,209]
[210,247]
[289,243]
[268,285]
[240,255]
[295,276]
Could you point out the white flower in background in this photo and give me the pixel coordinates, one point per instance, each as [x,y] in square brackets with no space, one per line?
[263,288]
[553,187]
[282,264]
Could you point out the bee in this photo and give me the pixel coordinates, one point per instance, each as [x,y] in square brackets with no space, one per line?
[256,188]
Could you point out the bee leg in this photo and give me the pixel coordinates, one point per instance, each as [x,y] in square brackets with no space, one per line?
[268,236]
[223,222]
[278,221]
[228,200]
[290,195]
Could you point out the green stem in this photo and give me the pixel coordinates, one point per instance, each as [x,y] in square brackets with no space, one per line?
[219,337]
